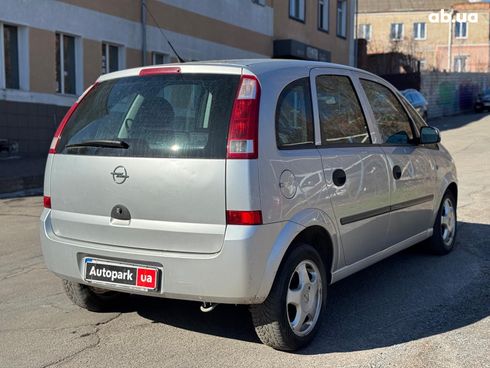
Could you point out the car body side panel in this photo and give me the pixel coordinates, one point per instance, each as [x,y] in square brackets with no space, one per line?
[305,165]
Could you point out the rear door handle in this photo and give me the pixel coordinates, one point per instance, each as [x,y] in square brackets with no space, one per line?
[339,178]
[397,172]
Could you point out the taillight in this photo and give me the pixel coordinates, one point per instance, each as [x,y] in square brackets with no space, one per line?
[47,202]
[57,134]
[244,217]
[244,123]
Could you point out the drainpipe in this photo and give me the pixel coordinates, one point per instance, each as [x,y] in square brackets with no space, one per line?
[353,39]
[356,25]
[450,43]
[143,33]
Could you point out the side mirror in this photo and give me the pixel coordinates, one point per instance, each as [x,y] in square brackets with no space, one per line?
[429,135]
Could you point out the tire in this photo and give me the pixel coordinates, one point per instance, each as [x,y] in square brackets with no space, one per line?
[272,318]
[445,226]
[93,299]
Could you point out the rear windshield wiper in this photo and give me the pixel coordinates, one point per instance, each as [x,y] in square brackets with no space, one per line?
[100,143]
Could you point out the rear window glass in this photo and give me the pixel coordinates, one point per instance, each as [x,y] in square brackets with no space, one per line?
[177,115]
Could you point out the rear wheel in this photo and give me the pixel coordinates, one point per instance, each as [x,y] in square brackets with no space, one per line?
[291,315]
[445,226]
[93,299]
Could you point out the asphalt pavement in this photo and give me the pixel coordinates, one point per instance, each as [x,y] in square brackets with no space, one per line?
[411,310]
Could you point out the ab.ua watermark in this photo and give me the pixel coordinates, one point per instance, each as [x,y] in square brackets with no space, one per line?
[453,17]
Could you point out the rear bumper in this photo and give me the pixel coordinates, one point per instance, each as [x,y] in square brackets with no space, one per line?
[234,275]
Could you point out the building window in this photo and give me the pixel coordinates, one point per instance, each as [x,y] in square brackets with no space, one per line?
[11,56]
[460,64]
[323,15]
[159,58]
[419,32]
[422,64]
[297,9]
[342,18]
[365,32]
[65,64]
[110,58]
[461,30]
[396,33]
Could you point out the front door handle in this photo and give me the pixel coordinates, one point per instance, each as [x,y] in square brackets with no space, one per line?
[339,178]
[397,172]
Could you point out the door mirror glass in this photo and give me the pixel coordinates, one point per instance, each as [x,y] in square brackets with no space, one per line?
[429,135]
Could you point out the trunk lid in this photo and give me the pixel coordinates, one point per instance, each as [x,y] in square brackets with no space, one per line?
[164,188]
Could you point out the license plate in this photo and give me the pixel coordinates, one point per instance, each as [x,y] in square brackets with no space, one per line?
[125,275]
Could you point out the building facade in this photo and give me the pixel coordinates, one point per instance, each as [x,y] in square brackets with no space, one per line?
[443,35]
[52,50]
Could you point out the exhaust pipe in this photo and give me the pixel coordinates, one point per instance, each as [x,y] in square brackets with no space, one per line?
[208,307]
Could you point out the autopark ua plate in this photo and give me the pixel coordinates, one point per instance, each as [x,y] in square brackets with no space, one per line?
[120,274]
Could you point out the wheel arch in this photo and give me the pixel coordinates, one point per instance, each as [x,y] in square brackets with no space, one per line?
[448,182]
[453,188]
[318,238]
[313,227]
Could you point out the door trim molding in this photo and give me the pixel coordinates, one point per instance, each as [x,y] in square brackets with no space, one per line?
[365,215]
[383,210]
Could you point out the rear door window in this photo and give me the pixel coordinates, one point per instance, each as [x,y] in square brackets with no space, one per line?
[391,118]
[174,115]
[341,118]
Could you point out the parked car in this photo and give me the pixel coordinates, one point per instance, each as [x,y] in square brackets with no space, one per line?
[417,100]
[482,102]
[257,182]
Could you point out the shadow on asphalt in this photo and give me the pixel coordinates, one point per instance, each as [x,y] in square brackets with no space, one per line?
[406,297]
[448,123]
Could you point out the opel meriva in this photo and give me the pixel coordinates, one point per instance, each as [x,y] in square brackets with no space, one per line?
[257,182]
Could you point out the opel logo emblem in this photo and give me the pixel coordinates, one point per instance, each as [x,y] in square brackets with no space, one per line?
[119,175]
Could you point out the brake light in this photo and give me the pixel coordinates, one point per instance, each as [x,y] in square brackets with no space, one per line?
[162,70]
[57,134]
[47,202]
[244,123]
[244,217]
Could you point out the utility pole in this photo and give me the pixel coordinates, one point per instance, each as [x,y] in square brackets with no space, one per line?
[143,33]
[356,30]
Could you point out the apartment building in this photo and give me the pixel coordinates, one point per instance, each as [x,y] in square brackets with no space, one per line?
[52,50]
[444,35]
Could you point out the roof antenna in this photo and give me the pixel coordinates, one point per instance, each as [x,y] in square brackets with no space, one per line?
[163,34]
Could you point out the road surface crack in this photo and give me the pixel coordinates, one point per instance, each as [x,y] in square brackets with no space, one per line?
[93,345]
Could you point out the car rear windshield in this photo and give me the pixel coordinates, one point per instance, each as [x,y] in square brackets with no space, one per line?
[171,115]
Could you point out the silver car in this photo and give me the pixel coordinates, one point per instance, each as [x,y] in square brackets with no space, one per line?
[258,182]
